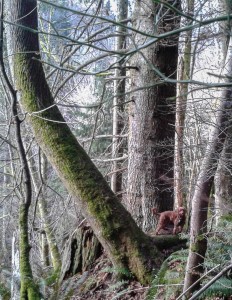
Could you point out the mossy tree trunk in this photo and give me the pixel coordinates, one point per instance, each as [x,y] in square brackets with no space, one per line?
[124,242]
[28,289]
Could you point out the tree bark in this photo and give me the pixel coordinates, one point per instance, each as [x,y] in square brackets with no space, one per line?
[82,249]
[28,288]
[222,181]
[118,103]
[49,236]
[123,241]
[151,115]
[198,226]
[183,73]
[223,177]
[15,280]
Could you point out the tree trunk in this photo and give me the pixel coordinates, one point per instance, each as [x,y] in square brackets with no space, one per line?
[223,182]
[119,99]
[198,227]
[82,249]
[44,249]
[15,280]
[223,177]
[151,115]
[125,244]
[28,288]
[42,205]
[184,61]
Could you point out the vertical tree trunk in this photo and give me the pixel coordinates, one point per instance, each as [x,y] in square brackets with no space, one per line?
[42,205]
[151,116]
[123,241]
[119,99]
[223,177]
[223,181]
[15,280]
[44,250]
[184,61]
[28,289]
[198,227]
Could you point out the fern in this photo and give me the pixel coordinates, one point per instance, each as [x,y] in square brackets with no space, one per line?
[117,285]
[121,293]
[170,275]
[221,288]
[219,252]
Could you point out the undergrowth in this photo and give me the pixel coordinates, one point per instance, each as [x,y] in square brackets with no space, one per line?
[168,283]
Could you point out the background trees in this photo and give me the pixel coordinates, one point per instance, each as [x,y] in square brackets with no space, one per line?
[71,84]
[151,113]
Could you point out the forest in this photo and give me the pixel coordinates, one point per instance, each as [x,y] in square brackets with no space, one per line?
[115,149]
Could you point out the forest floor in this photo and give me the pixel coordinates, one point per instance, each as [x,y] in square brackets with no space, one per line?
[101,283]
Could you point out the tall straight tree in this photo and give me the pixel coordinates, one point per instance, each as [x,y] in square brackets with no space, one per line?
[223,176]
[184,64]
[200,201]
[152,113]
[119,99]
[126,245]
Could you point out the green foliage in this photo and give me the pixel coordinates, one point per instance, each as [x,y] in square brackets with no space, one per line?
[117,285]
[89,284]
[220,245]
[119,272]
[120,286]
[4,292]
[226,218]
[69,295]
[52,278]
[221,288]
[219,253]
[168,282]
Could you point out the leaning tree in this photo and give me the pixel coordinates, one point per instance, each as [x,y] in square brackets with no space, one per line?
[126,245]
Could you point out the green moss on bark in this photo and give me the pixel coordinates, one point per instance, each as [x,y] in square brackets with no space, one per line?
[112,224]
[124,242]
[28,290]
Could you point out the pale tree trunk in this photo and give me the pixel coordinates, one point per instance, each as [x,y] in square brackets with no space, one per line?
[44,250]
[49,236]
[151,116]
[183,73]
[200,201]
[4,220]
[223,182]
[15,281]
[123,241]
[223,177]
[119,99]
